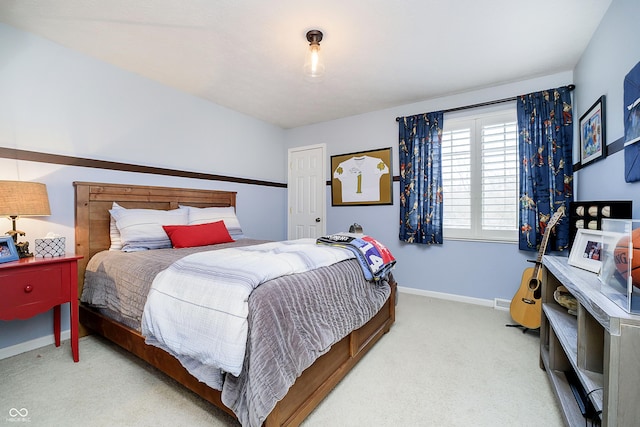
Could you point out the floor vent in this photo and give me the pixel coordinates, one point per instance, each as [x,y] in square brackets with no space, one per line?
[501,304]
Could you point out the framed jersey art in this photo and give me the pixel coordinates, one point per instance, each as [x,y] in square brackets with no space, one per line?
[362,178]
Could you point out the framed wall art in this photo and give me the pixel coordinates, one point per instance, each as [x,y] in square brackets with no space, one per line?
[362,178]
[8,251]
[632,125]
[592,133]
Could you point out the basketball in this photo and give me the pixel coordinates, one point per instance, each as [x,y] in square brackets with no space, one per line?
[621,257]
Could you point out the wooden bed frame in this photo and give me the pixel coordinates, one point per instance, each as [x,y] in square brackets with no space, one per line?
[93,201]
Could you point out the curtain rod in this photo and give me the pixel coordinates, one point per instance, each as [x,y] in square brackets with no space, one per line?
[485,104]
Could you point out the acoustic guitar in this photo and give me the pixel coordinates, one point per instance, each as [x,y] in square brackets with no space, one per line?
[526,306]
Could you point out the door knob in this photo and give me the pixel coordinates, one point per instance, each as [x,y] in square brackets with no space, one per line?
[317,219]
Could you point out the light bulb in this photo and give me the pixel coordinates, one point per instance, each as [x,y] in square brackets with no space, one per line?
[313,65]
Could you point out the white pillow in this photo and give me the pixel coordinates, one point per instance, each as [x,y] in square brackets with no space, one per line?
[141,229]
[205,215]
[114,233]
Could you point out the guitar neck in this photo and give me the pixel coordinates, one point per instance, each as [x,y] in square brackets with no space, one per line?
[543,247]
[545,239]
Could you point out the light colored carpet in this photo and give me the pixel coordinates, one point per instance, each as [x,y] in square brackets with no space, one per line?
[444,363]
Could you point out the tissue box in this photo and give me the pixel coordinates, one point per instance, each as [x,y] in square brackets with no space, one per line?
[49,247]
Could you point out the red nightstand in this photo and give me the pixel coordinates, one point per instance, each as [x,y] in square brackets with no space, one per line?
[31,286]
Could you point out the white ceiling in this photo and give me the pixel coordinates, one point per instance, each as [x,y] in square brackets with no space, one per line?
[247,55]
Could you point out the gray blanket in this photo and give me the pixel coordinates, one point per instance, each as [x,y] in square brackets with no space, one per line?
[292,320]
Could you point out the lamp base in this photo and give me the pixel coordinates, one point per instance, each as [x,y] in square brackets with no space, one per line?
[23,247]
[23,250]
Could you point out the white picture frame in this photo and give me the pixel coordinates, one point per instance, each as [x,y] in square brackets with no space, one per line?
[587,250]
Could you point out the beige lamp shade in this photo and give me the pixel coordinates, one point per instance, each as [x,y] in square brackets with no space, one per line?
[22,198]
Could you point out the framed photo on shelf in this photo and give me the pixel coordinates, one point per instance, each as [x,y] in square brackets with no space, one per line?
[592,133]
[8,251]
[361,179]
[587,249]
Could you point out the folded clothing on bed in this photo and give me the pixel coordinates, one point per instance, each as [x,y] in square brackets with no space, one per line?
[374,258]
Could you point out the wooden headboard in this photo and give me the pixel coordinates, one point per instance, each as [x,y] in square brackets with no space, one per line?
[93,201]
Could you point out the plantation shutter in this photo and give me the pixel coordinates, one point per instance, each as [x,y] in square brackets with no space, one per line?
[456,178]
[480,177]
[499,176]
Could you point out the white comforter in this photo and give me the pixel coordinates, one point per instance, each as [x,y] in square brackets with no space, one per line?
[197,308]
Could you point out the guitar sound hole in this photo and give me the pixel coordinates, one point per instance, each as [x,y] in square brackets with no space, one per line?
[534,285]
[537,294]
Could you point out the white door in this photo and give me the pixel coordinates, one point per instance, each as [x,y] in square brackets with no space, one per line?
[307,192]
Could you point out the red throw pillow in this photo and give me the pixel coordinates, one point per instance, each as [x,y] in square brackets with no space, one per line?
[187,236]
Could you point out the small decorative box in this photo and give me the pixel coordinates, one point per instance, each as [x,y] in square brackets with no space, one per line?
[49,247]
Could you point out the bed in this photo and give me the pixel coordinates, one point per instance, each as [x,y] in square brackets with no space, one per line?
[92,236]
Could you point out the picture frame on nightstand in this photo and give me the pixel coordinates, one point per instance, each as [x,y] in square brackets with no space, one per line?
[8,251]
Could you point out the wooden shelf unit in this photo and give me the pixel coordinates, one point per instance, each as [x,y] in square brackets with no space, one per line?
[601,346]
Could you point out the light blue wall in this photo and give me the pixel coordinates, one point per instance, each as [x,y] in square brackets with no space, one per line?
[470,269]
[489,270]
[54,100]
[58,101]
[613,51]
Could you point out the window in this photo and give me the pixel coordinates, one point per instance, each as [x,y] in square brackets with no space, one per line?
[480,176]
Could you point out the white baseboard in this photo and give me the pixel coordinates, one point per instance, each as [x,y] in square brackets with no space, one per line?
[450,297]
[32,345]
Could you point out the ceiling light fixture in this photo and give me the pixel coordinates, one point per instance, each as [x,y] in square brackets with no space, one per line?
[313,65]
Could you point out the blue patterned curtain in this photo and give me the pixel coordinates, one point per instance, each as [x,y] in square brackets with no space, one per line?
[545,146]
[420,148]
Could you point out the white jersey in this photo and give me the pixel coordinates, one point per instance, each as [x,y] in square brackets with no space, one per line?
[360,178]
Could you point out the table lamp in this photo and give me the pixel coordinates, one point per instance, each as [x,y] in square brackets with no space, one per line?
[22,198]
